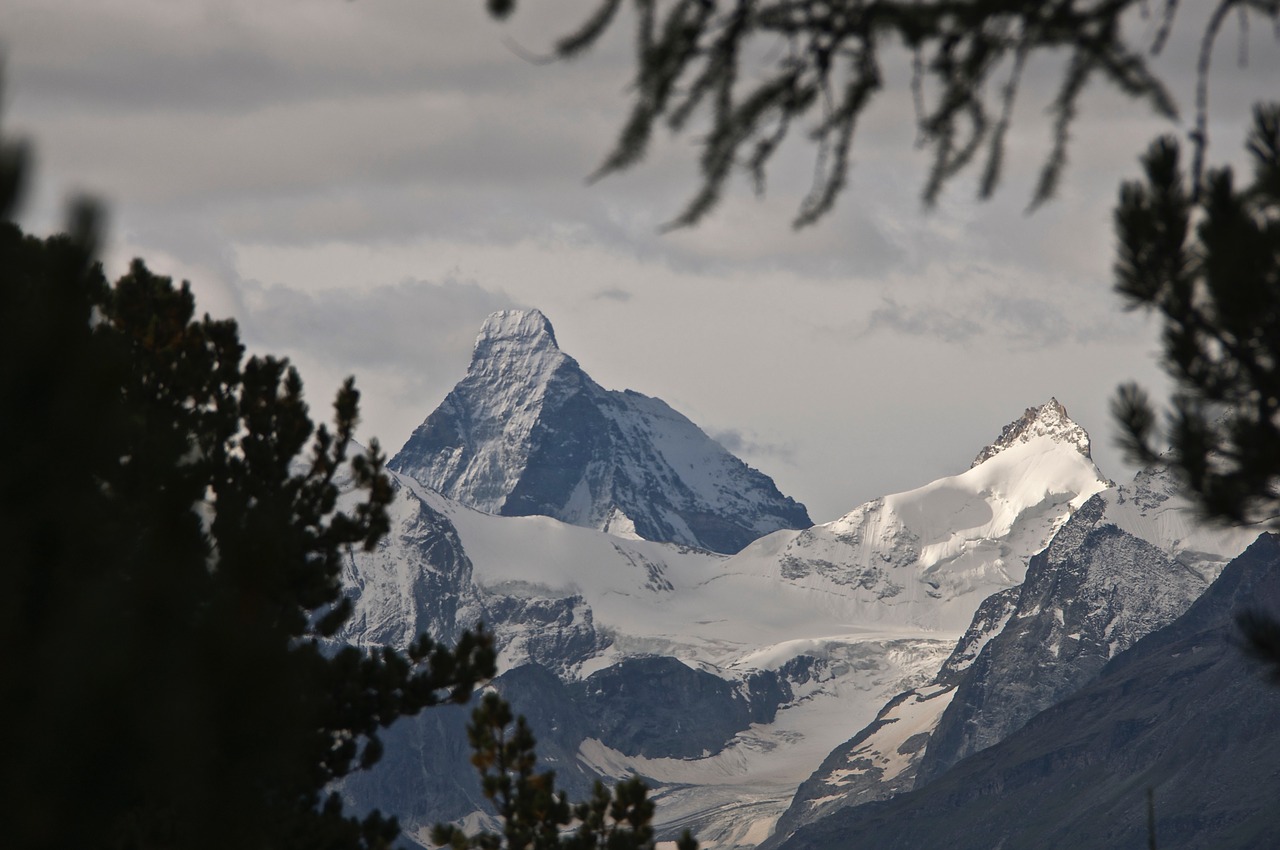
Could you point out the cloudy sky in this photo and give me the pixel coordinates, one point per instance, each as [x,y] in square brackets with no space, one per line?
[360,183]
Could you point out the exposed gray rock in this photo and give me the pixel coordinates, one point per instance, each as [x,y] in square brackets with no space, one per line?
[1089,596]
[659,707]
[555,633]
[883,759]
[877,763]
[425,775]
[418,580]
[1049,418]
[988,621]
[656,707]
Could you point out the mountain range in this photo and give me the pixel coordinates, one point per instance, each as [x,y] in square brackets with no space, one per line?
[662,610]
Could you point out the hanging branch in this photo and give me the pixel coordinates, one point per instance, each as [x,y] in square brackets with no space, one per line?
[695,57]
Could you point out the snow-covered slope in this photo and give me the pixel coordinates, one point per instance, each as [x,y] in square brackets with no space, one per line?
[926,558]
[586,605]
[527,432]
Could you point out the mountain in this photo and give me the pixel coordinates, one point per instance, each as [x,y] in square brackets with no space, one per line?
[926,558]
[1093,592]
[527,432]
[723,680]
[1183,713]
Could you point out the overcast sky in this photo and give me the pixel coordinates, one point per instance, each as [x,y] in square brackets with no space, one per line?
[360,183]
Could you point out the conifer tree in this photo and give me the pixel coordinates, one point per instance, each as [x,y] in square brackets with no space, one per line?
[1206,259]
[176,526]
[1208,263]
[534,815]
[173,533]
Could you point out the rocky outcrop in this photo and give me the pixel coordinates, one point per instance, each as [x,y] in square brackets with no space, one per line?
[1048,420]
[658,707]
[1092,593]
[928,557]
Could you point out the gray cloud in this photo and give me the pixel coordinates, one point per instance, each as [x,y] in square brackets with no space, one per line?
[1016,321]
[407,344]
[746,444]
[407,328]
[236,138]
[922,320]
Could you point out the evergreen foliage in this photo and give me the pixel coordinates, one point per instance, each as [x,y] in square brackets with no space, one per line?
[534,815]
[173,531]
[757,67]
[1208,263]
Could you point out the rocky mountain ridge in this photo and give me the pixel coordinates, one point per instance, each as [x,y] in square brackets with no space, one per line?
[1048,420]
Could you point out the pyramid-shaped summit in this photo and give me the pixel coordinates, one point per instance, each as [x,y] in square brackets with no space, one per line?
[1048,420]
[527,432]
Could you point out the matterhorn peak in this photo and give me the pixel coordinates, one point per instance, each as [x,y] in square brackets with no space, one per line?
[527,433]
[517,348]
[529,327]
[1048,420]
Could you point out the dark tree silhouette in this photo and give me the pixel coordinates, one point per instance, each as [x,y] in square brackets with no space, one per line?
[1209,264]
[1210,267]
[173,534]
[534,815]
[175,528]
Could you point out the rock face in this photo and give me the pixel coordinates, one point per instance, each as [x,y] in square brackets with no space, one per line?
[1089,596]
[1048,420]
[627,656]
[1183,712]
[883,759]
[527,432]
[879,762]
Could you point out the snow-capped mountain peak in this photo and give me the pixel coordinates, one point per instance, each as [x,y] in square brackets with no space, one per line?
[925,558]
[512,332]
[1048,420]
[527,432]
[517,347]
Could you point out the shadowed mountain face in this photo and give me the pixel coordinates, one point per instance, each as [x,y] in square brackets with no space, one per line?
[1183,712]
[527,433]
[1094,592]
